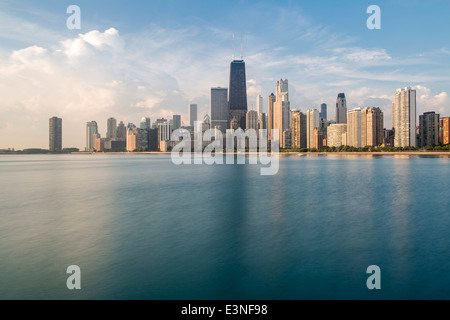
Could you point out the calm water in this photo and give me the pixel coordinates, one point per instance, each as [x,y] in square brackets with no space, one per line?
[140,227]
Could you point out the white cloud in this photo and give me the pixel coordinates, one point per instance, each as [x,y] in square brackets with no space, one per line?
[157,72]
[427,101]
[361,55]
[92,41]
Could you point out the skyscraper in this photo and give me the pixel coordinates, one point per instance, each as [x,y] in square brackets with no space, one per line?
[445,130]
[145,123]
[271,102]
[354,128]
[252,120]
[312,122]
[238,93]
[341,109]
[111,128]
[153,143]
[323,111]
[404,117]
[428,129]
[55,134]
[335,133]
[164,130]
[131,139]
[372,127]
[282,107]
[259,104]
[320,138]
[91,135]
[192,114]
[299,130]
[121,132]
[219,108]
[176,119]
[262,120]
[286,139]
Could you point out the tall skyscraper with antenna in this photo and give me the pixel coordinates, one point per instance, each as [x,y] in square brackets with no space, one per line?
[238,91]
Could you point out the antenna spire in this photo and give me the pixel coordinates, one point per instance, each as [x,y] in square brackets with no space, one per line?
[233,46]
[241,47]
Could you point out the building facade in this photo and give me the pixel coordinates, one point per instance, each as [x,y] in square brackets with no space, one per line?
[445,130]
[320,138]
[252,120]
[238,93]
[323,111]
[372,127]
[91,131]
[176,120]
[55,134]
[219,108]
[428,129]
[404,117]
[262,121]
[259,104]
[121,132]
[193,114]
[111,128]
[271,102]
[145,123]
[341,108]
[354,128]
[335,132]
[281,107]
[299,130]
[312,122]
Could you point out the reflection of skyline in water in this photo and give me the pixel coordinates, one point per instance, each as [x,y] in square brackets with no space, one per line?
[140,227]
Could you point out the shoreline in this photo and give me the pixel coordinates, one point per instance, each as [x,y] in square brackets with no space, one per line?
[406,153]
[366,153]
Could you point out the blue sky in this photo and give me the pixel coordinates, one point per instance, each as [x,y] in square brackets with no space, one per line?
[153,58]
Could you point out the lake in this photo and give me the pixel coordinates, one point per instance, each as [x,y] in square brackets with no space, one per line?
[140,227]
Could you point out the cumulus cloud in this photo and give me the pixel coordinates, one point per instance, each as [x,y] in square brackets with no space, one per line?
[427,101]
[158,72]
[94,76]
[92,42]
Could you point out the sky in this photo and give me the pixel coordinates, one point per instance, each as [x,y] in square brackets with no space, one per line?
[153,58]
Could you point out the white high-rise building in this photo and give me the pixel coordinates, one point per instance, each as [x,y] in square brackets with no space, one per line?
[354,128]
[404,117]
[312,122]
[164,129]
[91,134]
[259,104]
[192,114]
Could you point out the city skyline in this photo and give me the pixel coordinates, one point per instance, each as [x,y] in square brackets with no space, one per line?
[120,64]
